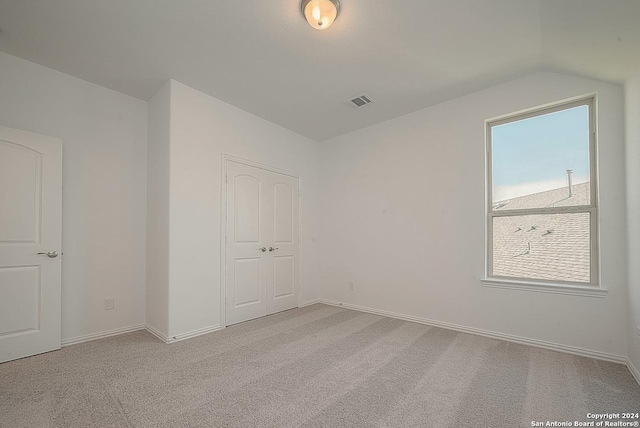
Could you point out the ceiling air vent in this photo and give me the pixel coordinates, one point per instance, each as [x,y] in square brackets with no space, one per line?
[360,101]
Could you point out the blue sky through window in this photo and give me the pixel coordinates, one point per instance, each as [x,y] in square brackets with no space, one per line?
[532,155]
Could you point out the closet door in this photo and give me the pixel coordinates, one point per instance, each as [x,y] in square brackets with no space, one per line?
[247,239]
[282,271]
[261,242]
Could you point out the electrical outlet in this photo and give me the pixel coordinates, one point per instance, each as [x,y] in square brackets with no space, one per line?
[109,304]
[638,333]
[352,286]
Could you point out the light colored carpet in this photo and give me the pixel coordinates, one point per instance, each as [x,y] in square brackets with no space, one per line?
[318,366]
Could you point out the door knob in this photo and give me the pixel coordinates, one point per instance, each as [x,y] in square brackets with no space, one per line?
[263,249]
[272,249]
[50,254]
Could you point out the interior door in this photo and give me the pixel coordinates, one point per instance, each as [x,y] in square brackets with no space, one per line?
[282,270]
[246,239]
[261,242]
[30,243]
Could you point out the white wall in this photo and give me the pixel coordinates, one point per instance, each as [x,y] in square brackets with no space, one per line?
[104,176]
[402,212]
[157,291]
[632,110]
[202,129]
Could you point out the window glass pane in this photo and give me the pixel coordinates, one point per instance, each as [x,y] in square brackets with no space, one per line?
[531,158]
[542,246]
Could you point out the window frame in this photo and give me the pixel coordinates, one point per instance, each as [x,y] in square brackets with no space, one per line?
[566,287]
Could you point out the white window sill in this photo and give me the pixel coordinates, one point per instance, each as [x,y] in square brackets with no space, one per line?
[543,287]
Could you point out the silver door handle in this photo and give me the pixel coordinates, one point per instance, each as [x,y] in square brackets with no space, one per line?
[272,249]
[50,254]
[263,249]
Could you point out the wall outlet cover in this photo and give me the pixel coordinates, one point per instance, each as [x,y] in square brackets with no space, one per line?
[109,304]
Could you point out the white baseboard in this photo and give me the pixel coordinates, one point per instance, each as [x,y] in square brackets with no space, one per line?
[157,333]
[567,349]
[634,371]
[183,336]
[101,335]
[309,303]
[195,333]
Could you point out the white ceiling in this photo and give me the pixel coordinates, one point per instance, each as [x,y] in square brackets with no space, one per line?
[262,57]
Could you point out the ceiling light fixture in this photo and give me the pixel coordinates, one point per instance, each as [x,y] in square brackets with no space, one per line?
[320,14]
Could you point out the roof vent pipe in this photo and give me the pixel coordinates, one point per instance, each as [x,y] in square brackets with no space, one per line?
[569,172]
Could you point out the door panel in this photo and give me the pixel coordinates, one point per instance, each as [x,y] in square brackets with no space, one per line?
[247,278]
[261,242]
[247,209]
[20,313]
[283,269]
[20,214]
[30,223]
[283,213]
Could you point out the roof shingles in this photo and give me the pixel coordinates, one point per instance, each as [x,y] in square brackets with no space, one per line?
[544,246]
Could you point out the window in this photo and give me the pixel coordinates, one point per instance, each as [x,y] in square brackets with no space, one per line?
[542,212]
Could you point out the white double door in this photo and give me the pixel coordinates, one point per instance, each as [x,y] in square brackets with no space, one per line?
[261,242]
[30,240]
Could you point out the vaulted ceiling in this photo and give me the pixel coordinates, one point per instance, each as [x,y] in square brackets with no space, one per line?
[262,56]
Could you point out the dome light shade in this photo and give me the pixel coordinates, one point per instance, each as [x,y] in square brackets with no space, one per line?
[320,14]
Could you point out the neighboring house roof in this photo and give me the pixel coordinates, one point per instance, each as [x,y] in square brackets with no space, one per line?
[548,246]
